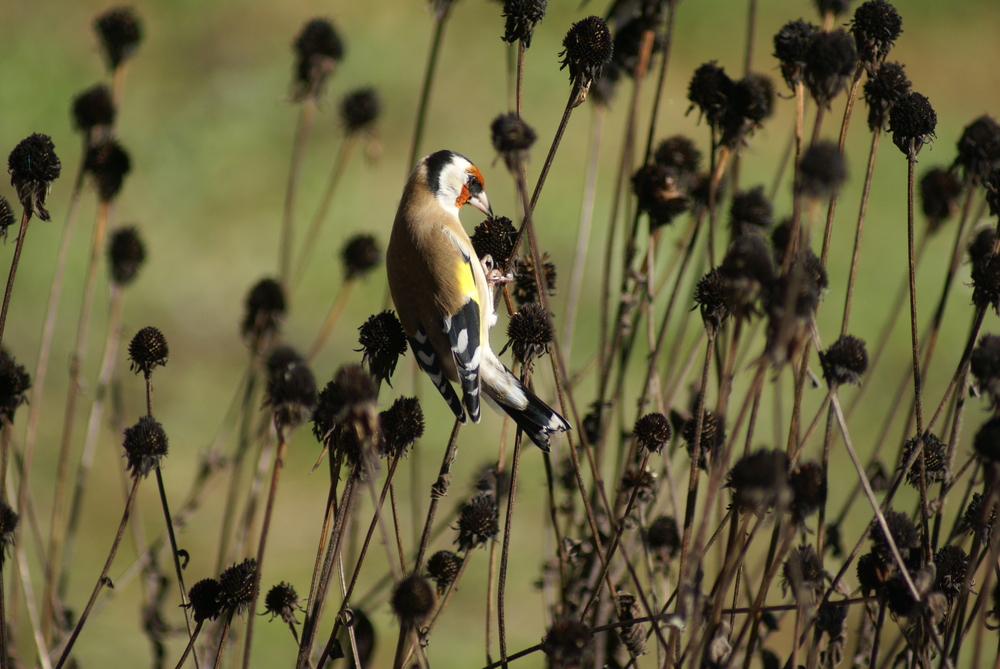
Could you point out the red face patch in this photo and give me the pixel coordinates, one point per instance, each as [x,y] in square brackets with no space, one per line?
[463,197]
[474,171]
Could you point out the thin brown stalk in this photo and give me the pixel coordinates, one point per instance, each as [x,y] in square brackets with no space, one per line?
[25,218]
[222,641]
[286,239]
[438,490]
[425,89]
[505,550]
[339,302]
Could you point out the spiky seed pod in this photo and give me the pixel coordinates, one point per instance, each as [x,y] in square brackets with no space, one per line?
[975,520]
[280,358]
[912,122]
[883,89]
[318,50]
[495,237]
[835,7]
[760,481]
[400,426]
[712,297]
[203,600]
[126,254]
[808,489]
[525,283]
[587,48]
[986,279]
[236,583]
[521,18]
[652,432]
[981,246]
[642,481]
[383,342]
[844,361]
[478,521]
[903,532]
[830,619]
[662,193]
[987,441]
[750,209]
[822,169]
[33,166]
[347,402]
[15,382]
[663,538]
[804,567]
[443,568]
[791,44]
[898,599]
[710,90]
[568,643]
[747,268]
[871,574]
[951,563]
[120,33]
[939,191]
[512,138]
[107,163]
[992,185]
[632,635]
[148,350]
[359,110]
[530,332]
[360,254]
[875,27]
[291,395]
[93,108]
[751,102]
[680,153]
[712,437]
[282,601]
[264,310]
[830,63]
[935,461]
[8,526]
[6,217]
[979,149]
[413,600]
[145,446]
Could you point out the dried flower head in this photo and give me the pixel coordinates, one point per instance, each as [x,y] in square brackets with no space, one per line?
[751,102]
[33,166]
[987,441]
[264,310]
[525,281]
[884,89]
[587,48]
[6,217]
[678,152]
[871,573]
[8,527]
[361,254]
[985,274]
[844,361]
[107,162]
[522,16]
[383,342]
[981,246]
[348,402]
[443,568]
[939,191]
[359,110]
[975,520]
[120,33]
[712,437]
[830,63]
[710,90]
[148,350]
[876,26]
[803,573]
[935,461]
[979,149]
[203,600]
[662,192]
[791,44]
[641,482]
[711,295]
[808,489]
[126,253]
[15,382]
[400,426]
[318,50]
[530,332]
[912,122]
[632,635]
[236,591]
[652,432]
[145,446]
[93,108]
[413,600]
[495,237]
[512,138]
[903,532]
[992,185]
[282,601]
[822,169]
[478,521]
[760,481]
[290,394]
[951,563]
[747,268]
[568,643]
[663,537]
[750,209]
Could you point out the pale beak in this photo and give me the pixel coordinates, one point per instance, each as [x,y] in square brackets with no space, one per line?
[481,203]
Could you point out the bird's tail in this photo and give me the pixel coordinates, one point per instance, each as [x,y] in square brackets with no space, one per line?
[536,418]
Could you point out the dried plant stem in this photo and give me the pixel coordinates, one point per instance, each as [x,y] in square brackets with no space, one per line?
[438,490]
[190,645]
[518,90]
[866,190]
[286,240]
[425,89]
[25,218]
[832,205]
[102,579]
[243,440]
[339,302]
[668,41]
[222,641]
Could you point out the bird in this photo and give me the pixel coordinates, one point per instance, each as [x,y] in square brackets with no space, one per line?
[444,299]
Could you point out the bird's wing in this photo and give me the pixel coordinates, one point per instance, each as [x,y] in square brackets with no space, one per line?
[464,325]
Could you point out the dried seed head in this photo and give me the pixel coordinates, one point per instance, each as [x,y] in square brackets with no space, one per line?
[291,394]
[264,310]
[587,48]
[808,489]
[979,149]
[939,191]
[712,297]
[145,446]
[568,643]
[903,532]
[747,268]
[912,122]
[987,441]
[791,44]
[751,101]
[845,361]
[992,185]
[522,16]
[822,169]
[345,412]
[6,217]
[525,284]
[530,332]
[633,635]
[33,166]
[413,600]
[148,350]
[495,237]
[884,89]
[642,481]
[126,253]
[876,26]
[975,520]
[830,619]
[951,563]
[804,568]
[120,33]
[237,586]
[478,521]
[935,461]
[491,481]
[107,163]
[93,108]
[359,110]
[679,152]
[898,599]
[871,574]
[443,568]
[282,601]
[400,426]
[760,481]
[318,50]
[383,342]
[834,544]
[981,245]
[203,600]
[831,61]
[710,90]
[712,437]
[15,382]
[361,254]
[750,209]
[652,432]
[512,138]
[8,526]
[985,276]
[663,538]
[662,192]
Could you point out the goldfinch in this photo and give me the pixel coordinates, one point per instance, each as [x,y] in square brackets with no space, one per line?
[444,300]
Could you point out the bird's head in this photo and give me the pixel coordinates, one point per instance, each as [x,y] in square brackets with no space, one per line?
[455,181]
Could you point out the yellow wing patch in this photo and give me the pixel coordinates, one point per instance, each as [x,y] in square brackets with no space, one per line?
[466,280]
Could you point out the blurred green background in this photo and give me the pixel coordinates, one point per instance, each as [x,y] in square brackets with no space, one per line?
[208,122]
